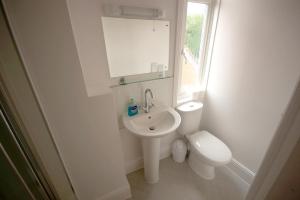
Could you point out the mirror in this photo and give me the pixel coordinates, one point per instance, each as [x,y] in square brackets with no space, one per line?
[136,46]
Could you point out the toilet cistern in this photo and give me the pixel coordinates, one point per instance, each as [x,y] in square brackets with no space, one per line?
[148,102]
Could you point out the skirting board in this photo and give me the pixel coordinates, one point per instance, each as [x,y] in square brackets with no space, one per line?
[133,165]
[120,193]
[242,171]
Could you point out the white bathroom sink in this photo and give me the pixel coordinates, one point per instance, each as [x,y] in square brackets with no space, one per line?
[160,121]
[150,127]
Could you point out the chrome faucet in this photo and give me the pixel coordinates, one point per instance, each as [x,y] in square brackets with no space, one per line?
[148,102]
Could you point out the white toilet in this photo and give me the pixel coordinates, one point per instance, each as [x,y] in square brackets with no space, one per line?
[206,150]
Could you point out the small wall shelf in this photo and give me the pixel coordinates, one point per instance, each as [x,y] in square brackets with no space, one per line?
[139,81]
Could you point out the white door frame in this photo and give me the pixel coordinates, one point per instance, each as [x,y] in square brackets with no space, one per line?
[181,17]
[282,145]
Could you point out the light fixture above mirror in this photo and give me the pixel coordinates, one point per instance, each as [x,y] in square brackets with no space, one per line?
[132,12]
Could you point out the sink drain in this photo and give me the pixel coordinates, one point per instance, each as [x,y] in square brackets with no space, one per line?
[151,128]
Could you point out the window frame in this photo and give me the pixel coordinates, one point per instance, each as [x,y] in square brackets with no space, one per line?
[205,52]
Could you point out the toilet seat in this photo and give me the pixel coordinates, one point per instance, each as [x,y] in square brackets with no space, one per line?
[209,148]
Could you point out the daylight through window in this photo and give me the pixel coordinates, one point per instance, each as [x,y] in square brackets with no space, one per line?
[193,52]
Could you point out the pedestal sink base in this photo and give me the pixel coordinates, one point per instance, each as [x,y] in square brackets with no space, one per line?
[150,127]
[151,151]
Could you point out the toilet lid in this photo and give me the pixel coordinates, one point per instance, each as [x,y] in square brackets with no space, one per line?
[190,106]
[210,147]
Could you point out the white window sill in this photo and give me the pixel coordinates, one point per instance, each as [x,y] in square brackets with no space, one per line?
[197,94]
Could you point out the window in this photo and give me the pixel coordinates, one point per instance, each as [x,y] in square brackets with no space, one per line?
[192,64]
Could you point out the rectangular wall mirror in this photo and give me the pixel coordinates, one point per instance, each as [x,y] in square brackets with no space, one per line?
[136,46]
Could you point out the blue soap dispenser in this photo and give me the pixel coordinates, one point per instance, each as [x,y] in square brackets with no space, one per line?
[132,107]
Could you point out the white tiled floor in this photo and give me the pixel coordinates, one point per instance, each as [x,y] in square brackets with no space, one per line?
[179,182]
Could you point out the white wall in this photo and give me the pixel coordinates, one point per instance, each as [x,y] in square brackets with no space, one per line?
[84,129]
[85,18]
[255,68]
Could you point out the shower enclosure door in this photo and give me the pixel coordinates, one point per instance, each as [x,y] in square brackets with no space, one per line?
[18,178]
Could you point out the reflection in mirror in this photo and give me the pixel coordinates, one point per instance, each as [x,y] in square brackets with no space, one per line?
[136,46]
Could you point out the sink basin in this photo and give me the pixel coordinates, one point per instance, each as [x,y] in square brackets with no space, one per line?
[157,123]
[150,127]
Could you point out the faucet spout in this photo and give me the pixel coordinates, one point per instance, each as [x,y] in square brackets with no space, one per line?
[148,102]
